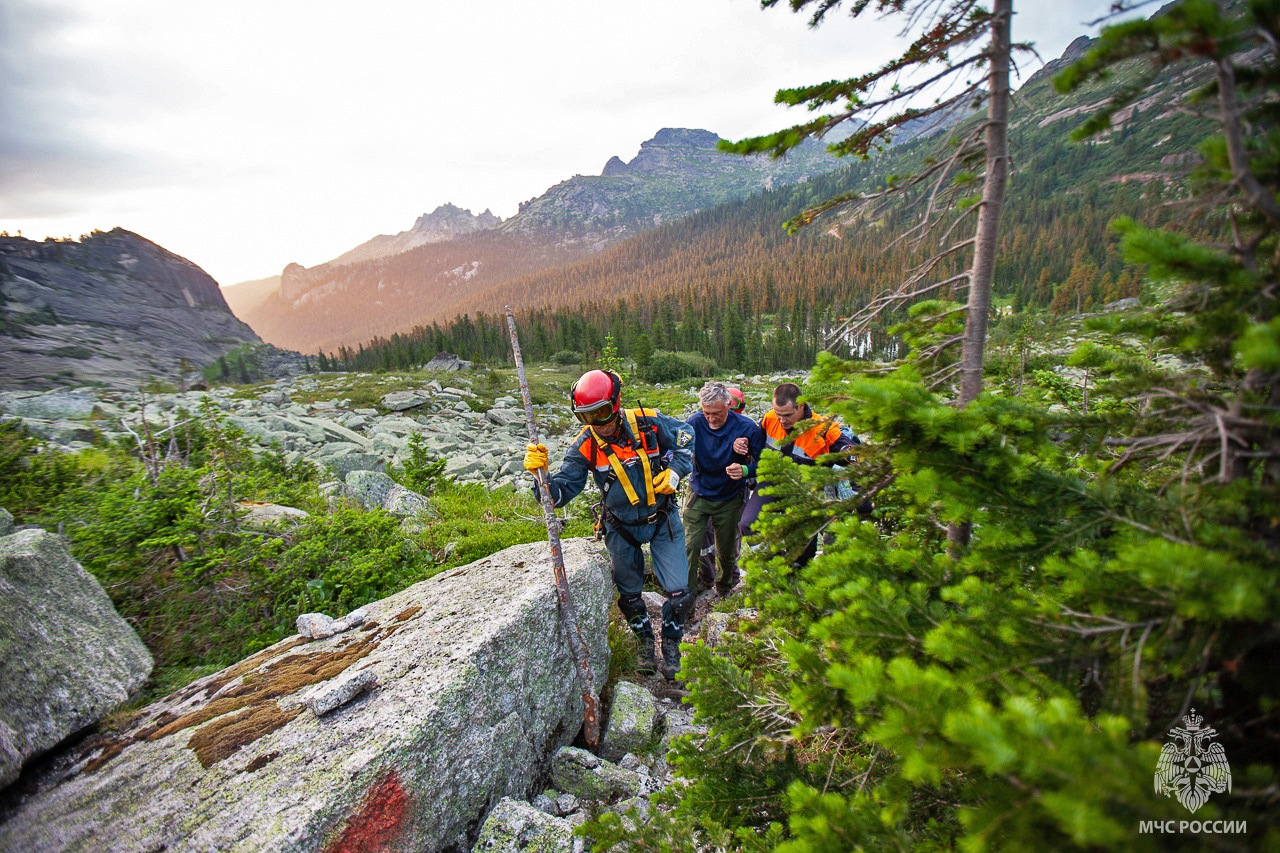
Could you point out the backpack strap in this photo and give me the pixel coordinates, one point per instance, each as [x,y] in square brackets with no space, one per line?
[618,471]
[634,425]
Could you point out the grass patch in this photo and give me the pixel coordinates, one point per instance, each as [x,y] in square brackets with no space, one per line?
[477,521]
[624,650]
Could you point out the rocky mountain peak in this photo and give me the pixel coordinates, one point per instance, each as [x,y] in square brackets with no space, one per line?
[444,223]
[448,221]
[1074,51]
[683,136]
[672,149]
[112,307]
[666,151]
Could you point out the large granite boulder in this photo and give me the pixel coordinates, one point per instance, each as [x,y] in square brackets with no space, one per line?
[374,490]
[473,689]
[54,405]
[406,503]
[399,401]
[369,488]
[344,463]
[447,361]
[505,417]
[67,659]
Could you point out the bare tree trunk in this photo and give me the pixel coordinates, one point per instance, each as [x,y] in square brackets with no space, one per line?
[988,232]
[1237,153]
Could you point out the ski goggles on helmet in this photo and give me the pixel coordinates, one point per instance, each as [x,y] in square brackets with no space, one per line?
[596,414]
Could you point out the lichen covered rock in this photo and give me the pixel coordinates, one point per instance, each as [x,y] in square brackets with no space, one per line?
[633,722]
[406,503]
[475,690]
[516,827]
[369,488]
[591,778]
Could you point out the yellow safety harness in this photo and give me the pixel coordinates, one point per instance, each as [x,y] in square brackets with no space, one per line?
[616,464]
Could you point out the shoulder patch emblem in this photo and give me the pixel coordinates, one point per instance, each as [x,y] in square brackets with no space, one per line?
[683,438]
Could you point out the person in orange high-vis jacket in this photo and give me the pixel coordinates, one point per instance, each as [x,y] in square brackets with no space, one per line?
[822,438]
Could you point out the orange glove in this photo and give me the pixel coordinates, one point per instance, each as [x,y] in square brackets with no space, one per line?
[666,482]
[535,457]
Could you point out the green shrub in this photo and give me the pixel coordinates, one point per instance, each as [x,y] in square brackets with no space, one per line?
[672,366]
[624,649]
[610,359]
[422,472]
[478,521]
[341,560]
[567,358]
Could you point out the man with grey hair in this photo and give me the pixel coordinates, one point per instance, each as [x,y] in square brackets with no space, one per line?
[727,449]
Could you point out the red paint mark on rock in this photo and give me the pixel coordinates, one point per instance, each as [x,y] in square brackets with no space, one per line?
[378,822]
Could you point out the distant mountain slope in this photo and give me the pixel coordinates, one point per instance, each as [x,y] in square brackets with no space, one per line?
[112,309]
[345,304]
[1055,186]
[676,173]
[444,223]
[247,296]
[730,283]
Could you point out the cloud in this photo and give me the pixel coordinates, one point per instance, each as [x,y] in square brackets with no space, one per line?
[56,97]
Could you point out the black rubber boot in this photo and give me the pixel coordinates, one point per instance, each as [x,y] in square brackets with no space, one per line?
[670,658]
[676,611]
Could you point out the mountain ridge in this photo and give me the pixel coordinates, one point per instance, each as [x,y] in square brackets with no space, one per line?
[112,308]
[677,172]
[731,285]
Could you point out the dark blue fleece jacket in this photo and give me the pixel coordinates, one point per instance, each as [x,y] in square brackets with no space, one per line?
[713,452]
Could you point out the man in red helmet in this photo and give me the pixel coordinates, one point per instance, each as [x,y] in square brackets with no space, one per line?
[638,458]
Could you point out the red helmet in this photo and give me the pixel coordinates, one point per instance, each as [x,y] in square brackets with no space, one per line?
[595,397]
[737,402]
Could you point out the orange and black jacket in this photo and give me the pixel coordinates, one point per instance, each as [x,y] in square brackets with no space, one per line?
[822,438]
[665,442]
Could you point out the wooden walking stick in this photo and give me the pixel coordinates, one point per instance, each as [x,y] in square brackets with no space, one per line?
[572,627]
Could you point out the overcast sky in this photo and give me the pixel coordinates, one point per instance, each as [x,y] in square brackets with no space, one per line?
[247,134]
